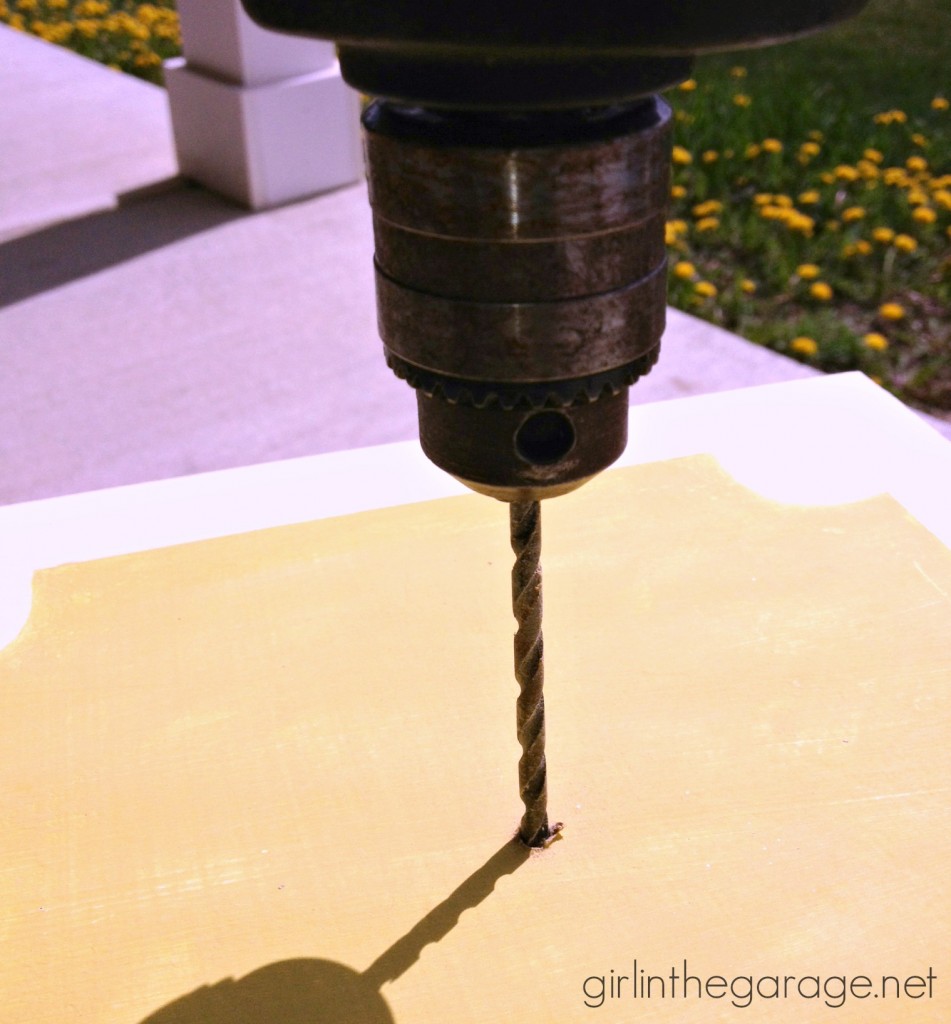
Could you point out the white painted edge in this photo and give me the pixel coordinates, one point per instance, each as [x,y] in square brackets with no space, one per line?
[267,144]
[825,440]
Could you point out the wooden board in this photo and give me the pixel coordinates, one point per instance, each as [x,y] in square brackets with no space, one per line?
[272,777]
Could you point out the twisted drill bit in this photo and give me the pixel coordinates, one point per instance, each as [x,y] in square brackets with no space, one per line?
[525,520]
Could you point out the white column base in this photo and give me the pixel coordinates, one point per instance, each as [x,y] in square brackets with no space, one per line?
[264,145]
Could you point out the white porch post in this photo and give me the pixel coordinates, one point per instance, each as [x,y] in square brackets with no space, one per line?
[258,116]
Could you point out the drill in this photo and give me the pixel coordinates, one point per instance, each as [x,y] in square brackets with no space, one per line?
[518,167]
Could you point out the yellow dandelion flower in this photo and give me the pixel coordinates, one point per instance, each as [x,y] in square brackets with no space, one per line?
[939,103]
[763,198]
[875,341]
[916,164]
[134,28]
[674,230]
[846,172]
[688,86]
[810,197]
[852,214]
[917,196]
[820,291]
[148,14]
[677,192]
[747,286]
[891,311]
[919,140]
[739,72]
[943,198]
[711,206]
[816,135]
[710,156]
[810,149]
[783,200]
[868,170]
[707,224]
[684,271]
[875,156]
[772,146]
[705,289]
[905,243]
[742,100]
[891,117]
[863,247]
[801,223]
[168,30]
[896,176]
[804,346]
[807,271]
[752,151]
[681,156]
[883,235]
[827,177]
[924,215]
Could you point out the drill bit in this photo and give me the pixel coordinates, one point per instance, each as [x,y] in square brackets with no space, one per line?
[526,532]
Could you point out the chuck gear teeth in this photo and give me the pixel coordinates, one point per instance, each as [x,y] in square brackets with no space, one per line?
[544,395]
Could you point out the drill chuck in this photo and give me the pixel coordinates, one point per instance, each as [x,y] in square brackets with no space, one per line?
[518,170]
[520,266]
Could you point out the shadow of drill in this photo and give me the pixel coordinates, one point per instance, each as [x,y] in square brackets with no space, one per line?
[313,991]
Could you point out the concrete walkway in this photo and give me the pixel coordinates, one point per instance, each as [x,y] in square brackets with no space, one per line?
[150,329]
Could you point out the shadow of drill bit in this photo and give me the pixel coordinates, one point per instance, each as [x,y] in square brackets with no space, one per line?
[440,921]
[312,991]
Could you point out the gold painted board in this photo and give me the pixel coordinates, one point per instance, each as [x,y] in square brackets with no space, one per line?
[272,777]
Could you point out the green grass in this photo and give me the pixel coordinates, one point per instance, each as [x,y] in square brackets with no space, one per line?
[760,225]
[894,54]
[123,34]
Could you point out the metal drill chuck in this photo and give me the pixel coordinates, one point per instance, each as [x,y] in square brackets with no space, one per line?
[520,268]
[518,169]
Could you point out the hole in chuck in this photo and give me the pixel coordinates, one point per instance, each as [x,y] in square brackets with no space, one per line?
[545,438]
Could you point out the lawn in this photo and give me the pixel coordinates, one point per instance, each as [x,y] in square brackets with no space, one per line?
[811,202]
[128,36]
